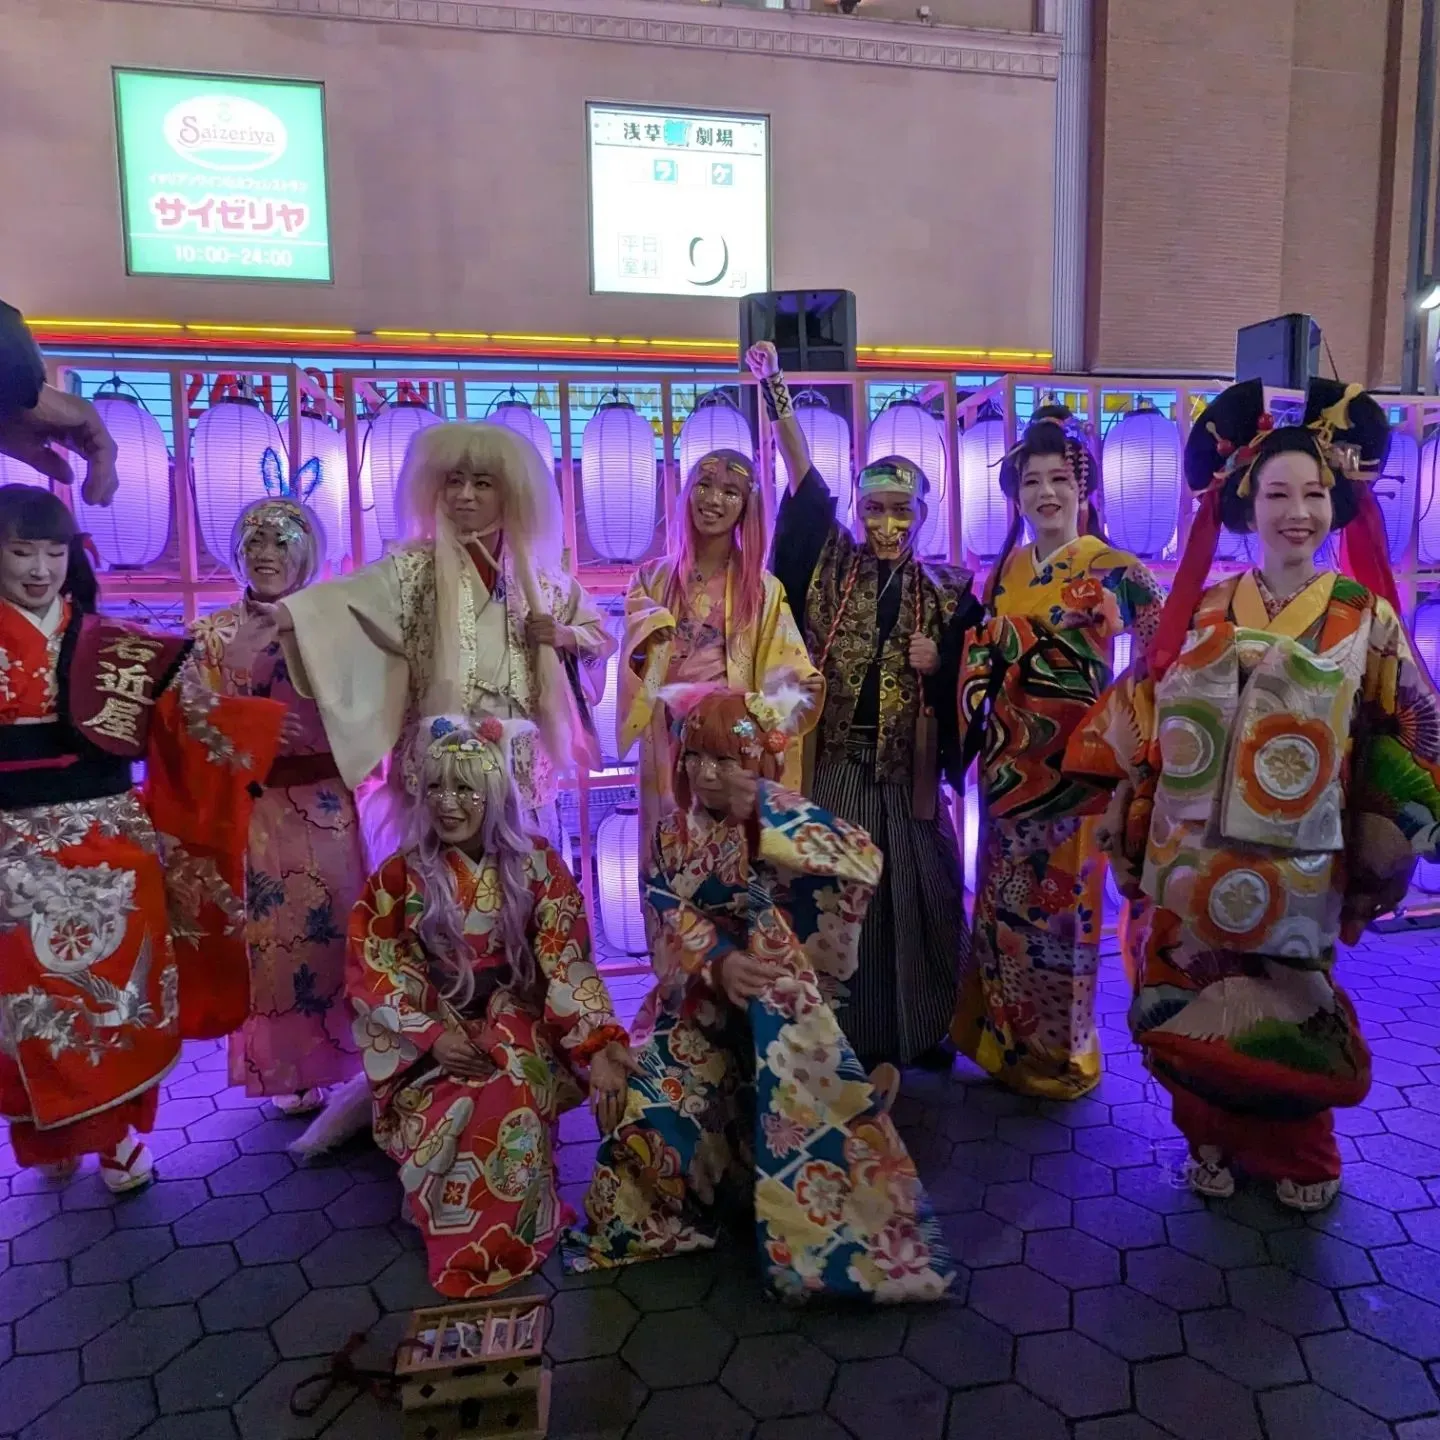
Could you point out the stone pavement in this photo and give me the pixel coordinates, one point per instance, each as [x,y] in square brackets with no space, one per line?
[1099,1299]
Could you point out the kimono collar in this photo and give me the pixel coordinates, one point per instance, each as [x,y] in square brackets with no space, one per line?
[48,623]
[1299,613]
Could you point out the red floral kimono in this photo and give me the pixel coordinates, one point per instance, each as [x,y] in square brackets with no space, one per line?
[475,1156]
[121,913]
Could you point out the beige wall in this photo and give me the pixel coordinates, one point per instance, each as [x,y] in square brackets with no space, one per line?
[458,170]
[1244,174]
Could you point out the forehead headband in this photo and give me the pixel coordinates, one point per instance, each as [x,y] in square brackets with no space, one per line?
[712,467]
[282,516]
[447,739]
[889,475]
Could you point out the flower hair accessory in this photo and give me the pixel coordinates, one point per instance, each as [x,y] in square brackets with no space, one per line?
[487,741]
[285,517]
[1240,459]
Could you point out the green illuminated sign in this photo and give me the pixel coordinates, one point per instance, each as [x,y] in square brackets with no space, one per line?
[222,176]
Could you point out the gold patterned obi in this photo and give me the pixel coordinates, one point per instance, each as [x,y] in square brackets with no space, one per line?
[1252,729]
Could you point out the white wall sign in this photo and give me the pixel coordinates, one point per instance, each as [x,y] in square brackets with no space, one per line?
[679,202]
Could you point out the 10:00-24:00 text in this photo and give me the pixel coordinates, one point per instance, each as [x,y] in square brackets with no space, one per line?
[231,255]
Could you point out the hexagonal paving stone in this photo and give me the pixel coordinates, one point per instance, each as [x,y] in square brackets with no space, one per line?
[1421,1226]
[1028,1206]
[959,1348]
[121,1255]
[1034,1134]
[272,1135]
[322,1321]
[953,1190]
[72,1319]
[195,1162]
[1117,1148]
[1289,1302]
[252,1298]
[848,1334]
[310,1189]
[999,1410]
[1174,1279]
[1073,1175]
[65,1235]
[1073,1258]
[888,1397]
[251,1174]
[263,1412]
[1360,1223]
[1131,1324]
[775,1375]
[990,1162]
[351,1257]
[220,1220]
[738,1301]
[1119,1222]
[669,1284]
[1073,1374]
[1321,1258]
[1121,1427]
[31,1384]
[24,1212]
[224,1124]
[586,1324]
[595,1398]
[1153,1188]
[1412,1268]
[140,1344]
[1388,1189]
[377,1202]
[803,1427]
[24,1288]
[1244,1348]
[1194,1402]
[1020,1299]
[216,1372]
[185,1275]
[698,1412]
[1402,1321]
[161,1204]
[1211,1237]
[677,1347]
[116,1411]
[978,1239]
[1370,1375]
[282,1237]
[1306,1412]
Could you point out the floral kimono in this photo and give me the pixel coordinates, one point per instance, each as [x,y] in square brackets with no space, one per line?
[366,649]
[306,867]
[772,1097]
[121,918]
[1027,1004]
[1274,726]
[476,1156]
[743,660]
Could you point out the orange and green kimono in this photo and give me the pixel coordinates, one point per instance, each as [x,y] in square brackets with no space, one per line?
[663,649]
[1026,1012]
[1275,725]
[121,908]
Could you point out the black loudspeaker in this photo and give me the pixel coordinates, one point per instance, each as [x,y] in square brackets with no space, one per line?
[812,329]
[1283,352]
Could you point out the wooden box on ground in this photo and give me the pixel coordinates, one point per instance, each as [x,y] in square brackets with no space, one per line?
[475,1370]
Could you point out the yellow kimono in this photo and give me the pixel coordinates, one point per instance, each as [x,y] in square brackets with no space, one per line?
[754,659]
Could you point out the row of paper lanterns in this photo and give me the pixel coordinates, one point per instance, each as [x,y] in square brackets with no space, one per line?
[239,453]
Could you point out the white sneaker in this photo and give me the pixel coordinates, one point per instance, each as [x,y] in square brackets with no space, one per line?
[1295,1196]
[1208,1175]
[128,1167]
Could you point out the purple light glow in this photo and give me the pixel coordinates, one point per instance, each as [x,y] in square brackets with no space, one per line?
[1141,461]
[325,488]
[907,428]
[1429,467]
[828,436]
[617,479]
[714,424]
[1425,632]
[135,529]
[14,472]
[391,432]
[236,455]
[986,511]
[1397,490]
[617,862]
[517,415]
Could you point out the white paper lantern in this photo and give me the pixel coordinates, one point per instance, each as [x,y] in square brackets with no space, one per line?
[237,455]
[1397,490]
[986,512]
[714,424]
[617,863]
[606,711]
[617,479]
[1426,634]
[828,436]
[134,528]
[972,834]
[1141,463]
[322,482]
[1429,501]
[906,428]
[517,415]
[391,432]
[15,472]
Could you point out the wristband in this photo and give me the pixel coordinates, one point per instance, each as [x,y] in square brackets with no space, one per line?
[777,396]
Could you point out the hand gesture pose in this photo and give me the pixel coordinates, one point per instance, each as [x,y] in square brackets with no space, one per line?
[610,1071]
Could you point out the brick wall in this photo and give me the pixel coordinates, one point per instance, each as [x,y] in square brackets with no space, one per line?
[1244,173]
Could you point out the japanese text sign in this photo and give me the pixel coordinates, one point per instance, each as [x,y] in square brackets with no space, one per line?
[222,176]
[679,202]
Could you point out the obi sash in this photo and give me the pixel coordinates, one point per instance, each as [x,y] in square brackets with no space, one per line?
[1253,729]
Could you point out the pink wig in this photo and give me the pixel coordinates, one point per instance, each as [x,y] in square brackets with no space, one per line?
[750,538]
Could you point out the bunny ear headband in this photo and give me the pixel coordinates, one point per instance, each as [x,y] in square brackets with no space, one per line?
[766,725]
[489,741]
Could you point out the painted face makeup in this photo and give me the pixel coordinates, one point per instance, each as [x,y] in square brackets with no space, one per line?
[32,572]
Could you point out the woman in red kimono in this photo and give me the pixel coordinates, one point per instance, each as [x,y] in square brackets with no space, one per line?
[121,914]
[479,1013]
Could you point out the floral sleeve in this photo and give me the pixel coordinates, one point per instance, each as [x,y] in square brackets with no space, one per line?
[687,943]
[1141,600]
[577,1002]
[387,978]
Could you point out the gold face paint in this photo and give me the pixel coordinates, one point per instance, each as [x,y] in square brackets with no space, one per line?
[889,534]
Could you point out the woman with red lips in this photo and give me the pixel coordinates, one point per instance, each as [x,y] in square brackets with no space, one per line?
[1026,1012]
[1274,761]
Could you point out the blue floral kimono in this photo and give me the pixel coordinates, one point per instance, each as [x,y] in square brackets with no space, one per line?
[771,1098]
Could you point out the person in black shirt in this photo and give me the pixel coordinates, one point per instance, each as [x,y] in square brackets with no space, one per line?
[886,630]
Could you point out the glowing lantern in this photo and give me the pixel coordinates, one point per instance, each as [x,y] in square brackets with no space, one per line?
[617,862]
[1397,489]
[905,427]
[714,424]
[391,432]
[828,436]
[517,415]
[986,510]
[322,482]
[135,528]
[1141,458]
[236,456]
[972,834]
[605,716]
[617,477]
[15,472]
[1429,509]
[1426,632]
